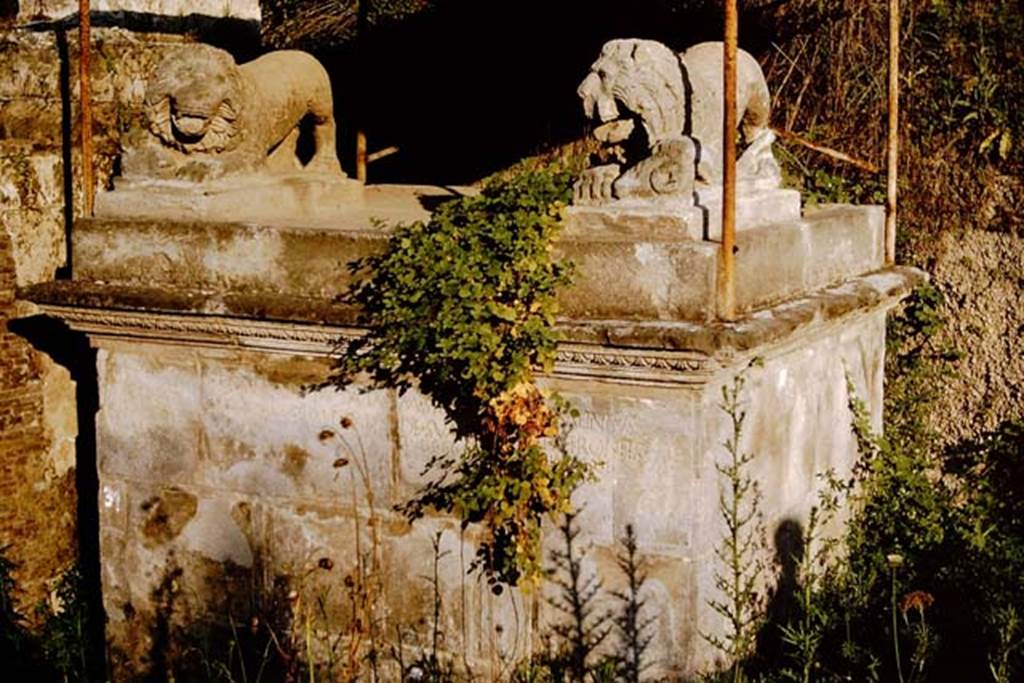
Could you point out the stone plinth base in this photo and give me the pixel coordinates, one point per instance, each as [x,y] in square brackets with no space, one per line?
[696,219]
[271,199]
[629,266]
[639,271]
[755,207]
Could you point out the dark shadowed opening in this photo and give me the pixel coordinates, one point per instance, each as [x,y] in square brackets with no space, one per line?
[466,88]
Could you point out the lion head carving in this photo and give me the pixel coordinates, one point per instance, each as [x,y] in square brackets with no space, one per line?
[637,78]
[193,102]
[637,82]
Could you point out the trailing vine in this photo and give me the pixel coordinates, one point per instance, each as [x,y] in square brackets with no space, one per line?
[463,307]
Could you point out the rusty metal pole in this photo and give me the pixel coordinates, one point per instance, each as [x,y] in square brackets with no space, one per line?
[893,142]
[85,110]
[727,275]
[362,22]
[361,156]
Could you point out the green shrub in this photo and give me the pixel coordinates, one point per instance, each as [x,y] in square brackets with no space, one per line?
[463,306]
[740,555]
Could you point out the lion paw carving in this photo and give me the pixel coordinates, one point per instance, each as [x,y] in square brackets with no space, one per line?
[208,118]
[660,119]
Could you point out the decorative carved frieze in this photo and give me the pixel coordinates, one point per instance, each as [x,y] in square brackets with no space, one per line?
[645,366]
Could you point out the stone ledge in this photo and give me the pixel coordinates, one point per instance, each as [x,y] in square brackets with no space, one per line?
[880,289]
[636,352]
[697,219]
[620,276]
[271,198]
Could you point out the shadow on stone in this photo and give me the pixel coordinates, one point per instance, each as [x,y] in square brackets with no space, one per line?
[66,142]
[242,630]
[782,604]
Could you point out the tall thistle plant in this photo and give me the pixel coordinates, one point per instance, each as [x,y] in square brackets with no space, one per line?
[741,552]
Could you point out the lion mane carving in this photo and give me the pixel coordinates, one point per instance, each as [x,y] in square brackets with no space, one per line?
[660,121]
[207,117]
[192,104]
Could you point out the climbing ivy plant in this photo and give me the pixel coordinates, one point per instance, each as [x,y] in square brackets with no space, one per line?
[463,307]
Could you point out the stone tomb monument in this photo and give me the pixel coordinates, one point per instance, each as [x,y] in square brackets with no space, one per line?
[221,475]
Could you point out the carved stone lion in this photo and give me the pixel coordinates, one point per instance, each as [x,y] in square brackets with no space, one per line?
[208,117]
[677,102]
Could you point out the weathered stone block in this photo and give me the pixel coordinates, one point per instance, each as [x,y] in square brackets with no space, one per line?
[29,179]
[843,239]
[660,221]
[161,599]
[38,242]
[646,447]
[628,280]
[193,255]
[29,62]
[53,9]
[264,435]
[149,425]
[467,616]
[113,505]
[770,263]
[34,121]
[699,219]
[618,274]
[755,208]
[285,198]
[183,535]
[423,436]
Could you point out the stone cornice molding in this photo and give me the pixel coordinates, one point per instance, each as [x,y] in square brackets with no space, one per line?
[202,330]
[106,325]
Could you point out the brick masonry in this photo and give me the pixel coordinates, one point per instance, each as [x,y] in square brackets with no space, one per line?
[38,420]
[37,491]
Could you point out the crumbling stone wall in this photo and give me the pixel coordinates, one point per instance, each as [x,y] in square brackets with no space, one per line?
[40,132]
[38,424]
[40,194]
[37,429]
[245,9]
